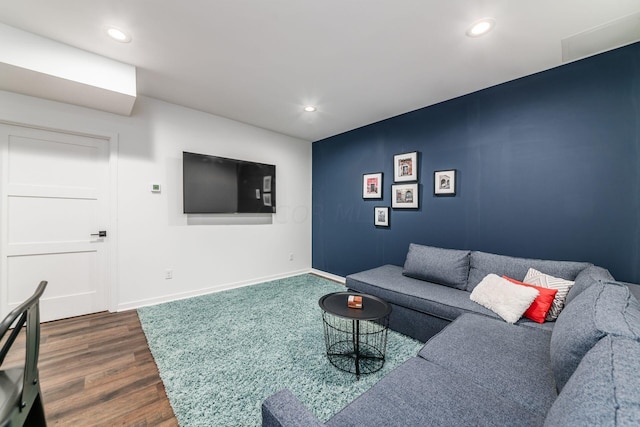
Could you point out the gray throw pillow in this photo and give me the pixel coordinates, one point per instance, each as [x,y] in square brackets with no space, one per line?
[448,267]
[602,309]
[483,263]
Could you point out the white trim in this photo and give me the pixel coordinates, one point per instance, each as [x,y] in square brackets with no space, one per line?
[4,174]
[112,279]
[205,291]
[329,276]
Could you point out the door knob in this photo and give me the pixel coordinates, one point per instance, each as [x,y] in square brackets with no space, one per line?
[102,233]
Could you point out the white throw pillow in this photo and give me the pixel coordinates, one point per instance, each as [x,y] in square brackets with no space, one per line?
[534,277]
[504,298]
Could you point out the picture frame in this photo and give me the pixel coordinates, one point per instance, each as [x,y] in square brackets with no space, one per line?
[266,199]
[405,167]
[404,196]
[266,183]
[444,182]
[372,185]
[381,216]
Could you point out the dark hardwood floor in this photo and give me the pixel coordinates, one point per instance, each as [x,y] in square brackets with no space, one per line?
[97,370]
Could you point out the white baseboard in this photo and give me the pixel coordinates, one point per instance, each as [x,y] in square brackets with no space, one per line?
[224,287]
[329,276]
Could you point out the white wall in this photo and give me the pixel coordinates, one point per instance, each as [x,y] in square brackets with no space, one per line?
[153,233]
[35,65]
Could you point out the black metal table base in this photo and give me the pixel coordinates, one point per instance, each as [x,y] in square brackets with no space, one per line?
[366,360]
[355,346]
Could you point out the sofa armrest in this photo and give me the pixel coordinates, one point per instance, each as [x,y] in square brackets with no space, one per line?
[283,409]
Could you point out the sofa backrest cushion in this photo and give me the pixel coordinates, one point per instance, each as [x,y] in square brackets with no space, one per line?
[449,267]
[604,390]
[602,309]
[483,263]
[587,277]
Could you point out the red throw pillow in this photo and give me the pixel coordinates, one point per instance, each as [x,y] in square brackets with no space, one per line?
[539,308]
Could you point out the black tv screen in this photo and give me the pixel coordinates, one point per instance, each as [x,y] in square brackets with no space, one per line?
[214,184]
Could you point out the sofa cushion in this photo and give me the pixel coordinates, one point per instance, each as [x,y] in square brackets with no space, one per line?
[447,267]
[504,298]
[603,308]
[604,390]
[509,360]
[482,263]
[587,277]
[421,393]
[388,283]
[539,278]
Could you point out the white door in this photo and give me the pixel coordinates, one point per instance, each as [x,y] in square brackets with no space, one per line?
[53,197]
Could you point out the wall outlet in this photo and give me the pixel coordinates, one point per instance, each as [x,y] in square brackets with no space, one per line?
[168,274]
[291,256]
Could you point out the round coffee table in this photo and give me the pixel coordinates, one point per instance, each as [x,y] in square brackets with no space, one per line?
[356,338]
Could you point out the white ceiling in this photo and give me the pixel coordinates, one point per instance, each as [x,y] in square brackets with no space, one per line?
[358,61]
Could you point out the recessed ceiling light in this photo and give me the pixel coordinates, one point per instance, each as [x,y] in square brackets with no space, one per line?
[481,27]
[118,35]
[309,108]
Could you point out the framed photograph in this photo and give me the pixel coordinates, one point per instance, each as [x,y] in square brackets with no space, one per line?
[404,196]
[266,199]
[381,216]
[266,184]
[405,167]
[444,183]
[372,185]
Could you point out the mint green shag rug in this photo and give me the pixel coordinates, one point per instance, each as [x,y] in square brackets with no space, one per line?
[220,355]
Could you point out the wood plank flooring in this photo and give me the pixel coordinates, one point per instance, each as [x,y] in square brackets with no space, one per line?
[97,370]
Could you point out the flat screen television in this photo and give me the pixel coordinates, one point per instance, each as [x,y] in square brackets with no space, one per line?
[214,184]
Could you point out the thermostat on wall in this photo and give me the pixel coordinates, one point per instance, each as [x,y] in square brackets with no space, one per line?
[155,188]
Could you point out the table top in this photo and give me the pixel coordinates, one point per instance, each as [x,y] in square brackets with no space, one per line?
[372,307]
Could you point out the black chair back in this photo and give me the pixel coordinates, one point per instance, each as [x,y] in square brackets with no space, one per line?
[20,387]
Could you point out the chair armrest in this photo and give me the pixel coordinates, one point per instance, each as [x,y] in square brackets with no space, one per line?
[283,409]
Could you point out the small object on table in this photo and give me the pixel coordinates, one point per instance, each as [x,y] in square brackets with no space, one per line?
[354,301]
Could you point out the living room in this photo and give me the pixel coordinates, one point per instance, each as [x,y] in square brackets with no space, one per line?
[546,167]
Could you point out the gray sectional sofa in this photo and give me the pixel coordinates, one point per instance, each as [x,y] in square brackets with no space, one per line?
[476,369]
[433,287]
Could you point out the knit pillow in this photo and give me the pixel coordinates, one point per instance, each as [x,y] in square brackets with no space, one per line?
[536,278]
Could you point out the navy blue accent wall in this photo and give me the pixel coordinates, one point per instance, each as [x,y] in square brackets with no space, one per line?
[548,166]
